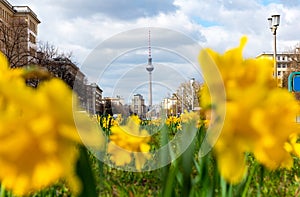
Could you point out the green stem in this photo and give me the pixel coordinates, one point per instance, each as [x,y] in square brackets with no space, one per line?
[230,190]
[84,171]
[249,179]
[262,174]
[187,163]
[169,182]
[223,187]
[2,191]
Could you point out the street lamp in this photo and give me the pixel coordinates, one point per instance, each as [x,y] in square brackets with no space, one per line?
[192,88]
[176,102]
[182,110]
[273,24]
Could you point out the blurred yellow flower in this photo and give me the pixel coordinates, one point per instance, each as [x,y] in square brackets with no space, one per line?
[108,121]
[118,120]
[37,133]
[187,117]
[172,120]
[292,145]
[174,123]
[128,143]
[156,122]
[259,116]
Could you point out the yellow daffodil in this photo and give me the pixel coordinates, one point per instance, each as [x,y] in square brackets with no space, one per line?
[37,133]
[173,121]
[292,145]
[260,117]
[187,117]
[118,120]
[156,122]
[108,121]
[128,143]
[105,121]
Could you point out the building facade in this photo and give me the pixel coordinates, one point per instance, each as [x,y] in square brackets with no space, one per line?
[170,106]
[94,98]
[18,31]
[118,100]
[283,61]
[138,106]
[115,105]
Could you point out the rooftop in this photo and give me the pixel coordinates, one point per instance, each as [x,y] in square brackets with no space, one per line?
[6,2]
[20,9]
[24,9]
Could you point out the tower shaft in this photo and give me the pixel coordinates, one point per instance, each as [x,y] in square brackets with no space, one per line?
[150,68]
[150,89]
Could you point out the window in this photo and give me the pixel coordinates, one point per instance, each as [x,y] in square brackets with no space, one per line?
[279,73]
[32,26]
[32,51]
[32,38]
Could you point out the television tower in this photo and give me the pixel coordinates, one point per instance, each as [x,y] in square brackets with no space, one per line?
[150,68]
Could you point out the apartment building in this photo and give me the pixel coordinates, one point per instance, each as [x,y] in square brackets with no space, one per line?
[138,106]
[94,98]
[283,61]
[170,106]
[117,101]
[18,31]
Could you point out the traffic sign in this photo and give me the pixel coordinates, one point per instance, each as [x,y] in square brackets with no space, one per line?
[294,82]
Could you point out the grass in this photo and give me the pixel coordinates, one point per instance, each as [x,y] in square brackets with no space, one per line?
[186,176]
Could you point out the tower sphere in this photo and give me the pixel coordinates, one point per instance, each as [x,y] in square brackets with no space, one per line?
[149,68]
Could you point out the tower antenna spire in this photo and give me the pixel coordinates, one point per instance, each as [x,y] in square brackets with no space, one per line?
[149,43]
[149,48]
[150,68]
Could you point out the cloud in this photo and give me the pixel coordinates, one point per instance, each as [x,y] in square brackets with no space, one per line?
[82,26]
[132,47]
[128,80]
[290,3]
[117,9]
[119,63]
[223,22]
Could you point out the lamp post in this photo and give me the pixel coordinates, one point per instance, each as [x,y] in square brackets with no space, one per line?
[176,102]
[273,24]
[182,110]
[192,89]
[167,107]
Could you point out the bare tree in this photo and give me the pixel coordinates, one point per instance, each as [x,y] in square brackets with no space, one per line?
[58,64]
[294,66]
[184,95]
[14,41]
[46,52]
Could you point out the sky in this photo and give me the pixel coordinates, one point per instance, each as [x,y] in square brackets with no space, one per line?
[109,38]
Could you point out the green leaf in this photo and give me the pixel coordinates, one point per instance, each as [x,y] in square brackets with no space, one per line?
[85,173]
